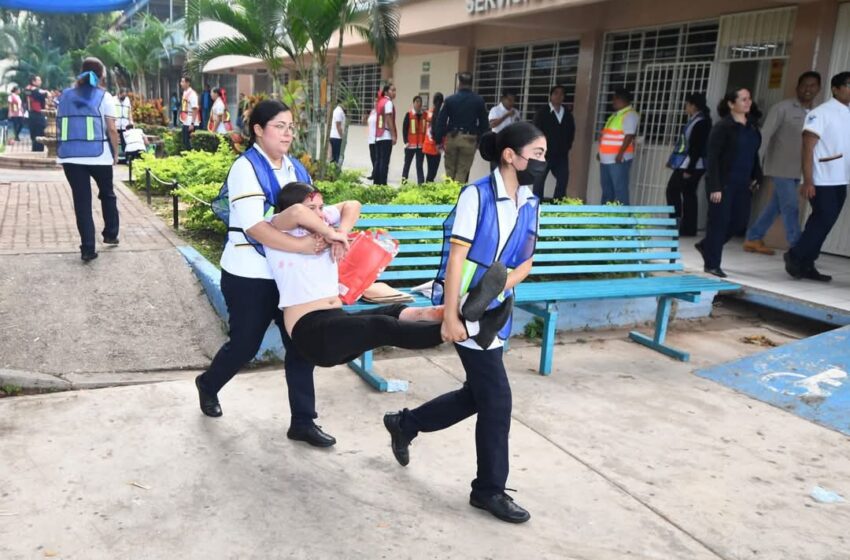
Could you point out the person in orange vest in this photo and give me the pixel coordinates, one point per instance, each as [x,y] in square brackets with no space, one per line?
[433,152]
[617,148]
[413,131]
[386,134]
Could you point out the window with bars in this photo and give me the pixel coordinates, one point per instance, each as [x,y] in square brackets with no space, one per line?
[527,71]
[630,56]
[362,82]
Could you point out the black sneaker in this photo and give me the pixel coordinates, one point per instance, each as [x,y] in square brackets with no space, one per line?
[86,257]
[501,506]
[398,441]
[110,240]
[716,271]
[813,274]
[491,285]
[492,322]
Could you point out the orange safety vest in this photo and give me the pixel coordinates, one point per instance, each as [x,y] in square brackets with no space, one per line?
[416,129]
[184,106]
[612,134]
[429,146]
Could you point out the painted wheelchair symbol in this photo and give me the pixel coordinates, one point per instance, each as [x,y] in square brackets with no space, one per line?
[816,386]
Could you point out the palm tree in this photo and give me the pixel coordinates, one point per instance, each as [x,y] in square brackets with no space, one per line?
[50,63]
[257,26]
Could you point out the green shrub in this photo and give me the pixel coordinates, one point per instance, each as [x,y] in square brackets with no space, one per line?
[205,141]
[190,169]
[199,216]
[154,129]
[172,142]
[534,328]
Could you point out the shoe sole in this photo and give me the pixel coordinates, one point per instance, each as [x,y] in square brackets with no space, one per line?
[492,284]
[391,429]
[312,443]
[499,517]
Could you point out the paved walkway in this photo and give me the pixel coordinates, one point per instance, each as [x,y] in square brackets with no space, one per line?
[37,215]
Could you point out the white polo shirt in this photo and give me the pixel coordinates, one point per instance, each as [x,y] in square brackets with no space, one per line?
[498,112]
[466,222]
[831,122]
[388,115]
[246,210]
[371,121]
[188,106]
[338,117]
[305,278]
[124,114]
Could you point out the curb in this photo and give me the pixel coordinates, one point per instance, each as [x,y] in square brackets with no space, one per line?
[271,350]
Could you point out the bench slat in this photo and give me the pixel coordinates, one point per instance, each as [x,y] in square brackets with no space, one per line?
[400,262]
[599,220]
[608,209]
[606,268]
[614,232]
[399,222]
[609,244]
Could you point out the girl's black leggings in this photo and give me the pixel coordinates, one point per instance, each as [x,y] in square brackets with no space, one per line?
[334,336]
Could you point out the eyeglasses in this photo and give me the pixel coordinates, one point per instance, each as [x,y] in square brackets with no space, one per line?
[284,127]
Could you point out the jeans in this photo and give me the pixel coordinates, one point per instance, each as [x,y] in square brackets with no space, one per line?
[486,393]
[725,218]
[79,177]
[784,201]
[682,196]
[334,336]
[383,152]
[409,154]
[615,182]
[252,305]
[336,146]
[433,166]
[37,124]
[826,207]
[560,168]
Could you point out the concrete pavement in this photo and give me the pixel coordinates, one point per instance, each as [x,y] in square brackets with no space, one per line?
[621,453]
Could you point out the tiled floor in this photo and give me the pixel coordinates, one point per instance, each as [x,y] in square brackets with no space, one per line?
[767,273]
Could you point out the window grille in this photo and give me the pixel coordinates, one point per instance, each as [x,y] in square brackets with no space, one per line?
[756,35]
[527,71]
[363,81]
[627,55]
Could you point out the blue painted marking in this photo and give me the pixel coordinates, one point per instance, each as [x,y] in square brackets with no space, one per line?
[810,378]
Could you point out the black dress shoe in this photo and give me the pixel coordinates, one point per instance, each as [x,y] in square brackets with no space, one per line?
[86,257]
[792,267]
[492,322]
[501,506]
[312,434]
[398,441]
[813,274]
[698,247]
[492,284]
[717,271]
[209,403]
[110,240]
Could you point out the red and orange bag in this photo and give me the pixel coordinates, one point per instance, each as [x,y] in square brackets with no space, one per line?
[368,255]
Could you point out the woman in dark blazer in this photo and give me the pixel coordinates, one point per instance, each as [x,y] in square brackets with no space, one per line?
[733,171]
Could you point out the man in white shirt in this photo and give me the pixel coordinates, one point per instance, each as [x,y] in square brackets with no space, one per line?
[826,173]
[190,112]
[504,114]
[124,112]
[337,126]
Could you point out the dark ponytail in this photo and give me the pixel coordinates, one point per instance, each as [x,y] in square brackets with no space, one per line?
[94,65]
[438,102]
[261,114]
[698,101]
[291,194]
[731,96]
[516,137]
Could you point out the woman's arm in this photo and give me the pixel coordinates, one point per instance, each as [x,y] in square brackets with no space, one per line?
[518,274]
[349,213]
[453,329]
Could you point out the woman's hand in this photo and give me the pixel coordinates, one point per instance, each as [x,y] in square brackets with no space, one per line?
[338,251]
[334,236]
[716,197]
[314,245]
[453,329]
[808,190]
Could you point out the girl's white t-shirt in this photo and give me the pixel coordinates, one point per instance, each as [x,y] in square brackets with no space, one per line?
[218,108]
[371,122]
[305,278]
[107,111]
[388,114]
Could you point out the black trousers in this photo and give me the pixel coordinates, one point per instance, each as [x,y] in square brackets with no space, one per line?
[433,166]
[373,156]
[409,154]
[383,151]
[334,336]
[252,305]
[487,393]
[826,207]
[37,124]
[560,168]
[336,145]
[122,142]
[187,138]
[17,126]
[79,177]
[725,219]
[682,195]
[174,118]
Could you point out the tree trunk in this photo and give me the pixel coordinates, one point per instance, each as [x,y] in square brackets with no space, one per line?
[313,136]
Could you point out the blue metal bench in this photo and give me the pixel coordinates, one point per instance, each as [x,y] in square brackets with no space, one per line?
[635,247]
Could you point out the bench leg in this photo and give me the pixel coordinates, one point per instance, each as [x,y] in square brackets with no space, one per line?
[547,341]
[364,367]
[662,319]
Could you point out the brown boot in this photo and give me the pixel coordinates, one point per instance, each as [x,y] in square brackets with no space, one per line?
[757,246]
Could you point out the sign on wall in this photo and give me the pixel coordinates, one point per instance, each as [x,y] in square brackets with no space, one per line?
[485,6]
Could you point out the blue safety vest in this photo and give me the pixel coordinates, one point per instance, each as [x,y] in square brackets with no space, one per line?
[680,152]
[268,182]
[482,251]
[79,124]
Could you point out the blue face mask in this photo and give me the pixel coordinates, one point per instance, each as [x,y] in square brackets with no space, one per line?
[92,78]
